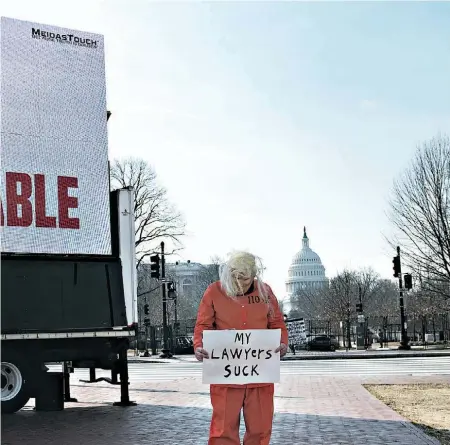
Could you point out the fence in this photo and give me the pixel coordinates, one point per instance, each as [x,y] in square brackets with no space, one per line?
[430,328]
[179,335]
[422,330]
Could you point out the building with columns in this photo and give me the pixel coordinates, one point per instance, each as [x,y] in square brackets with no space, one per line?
[305,272]
[186,277]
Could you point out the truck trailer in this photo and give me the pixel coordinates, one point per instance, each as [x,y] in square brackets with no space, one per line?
[68,268]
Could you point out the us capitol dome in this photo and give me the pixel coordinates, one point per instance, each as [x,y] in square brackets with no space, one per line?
[306,270]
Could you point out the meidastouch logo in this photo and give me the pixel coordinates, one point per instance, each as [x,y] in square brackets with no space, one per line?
[70,39]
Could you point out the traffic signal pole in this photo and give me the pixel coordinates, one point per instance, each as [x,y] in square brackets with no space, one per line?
[349,338]
[146,326]
[165,351]
[404,344]
[361,338]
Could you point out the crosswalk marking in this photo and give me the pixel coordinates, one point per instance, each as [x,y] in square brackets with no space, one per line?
[163,372]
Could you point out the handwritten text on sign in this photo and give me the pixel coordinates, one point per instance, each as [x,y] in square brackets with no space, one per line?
[240,357]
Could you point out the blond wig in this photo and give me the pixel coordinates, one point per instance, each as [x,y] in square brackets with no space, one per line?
[244,264]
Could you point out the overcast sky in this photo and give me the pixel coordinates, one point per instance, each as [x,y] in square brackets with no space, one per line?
[261,118]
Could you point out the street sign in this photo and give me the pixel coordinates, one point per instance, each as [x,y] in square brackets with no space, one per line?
[360,318]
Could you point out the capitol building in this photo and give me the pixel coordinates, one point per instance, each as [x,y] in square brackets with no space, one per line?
[305,272]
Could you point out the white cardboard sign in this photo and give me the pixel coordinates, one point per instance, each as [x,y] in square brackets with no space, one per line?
[241,356]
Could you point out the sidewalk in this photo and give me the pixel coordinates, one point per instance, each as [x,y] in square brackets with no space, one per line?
[317,355]
[309,410]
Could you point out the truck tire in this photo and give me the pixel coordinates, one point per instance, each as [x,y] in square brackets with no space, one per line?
[15,393]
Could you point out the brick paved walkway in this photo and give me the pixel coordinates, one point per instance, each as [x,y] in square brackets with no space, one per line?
[311,410]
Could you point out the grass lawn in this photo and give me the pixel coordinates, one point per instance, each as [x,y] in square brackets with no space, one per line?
[425,405]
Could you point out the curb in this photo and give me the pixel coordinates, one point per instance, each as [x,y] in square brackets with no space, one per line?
[334,356]
[420,433]
[153,360]
[133,359]
[366,356]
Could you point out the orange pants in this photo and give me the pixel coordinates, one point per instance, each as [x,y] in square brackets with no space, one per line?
[257,404]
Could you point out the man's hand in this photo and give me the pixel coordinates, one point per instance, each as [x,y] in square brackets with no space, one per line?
[200,354]
[282,349]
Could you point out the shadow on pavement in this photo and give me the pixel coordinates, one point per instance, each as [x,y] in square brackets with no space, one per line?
[144,389]
[442,435]
[175,390]
[147,424]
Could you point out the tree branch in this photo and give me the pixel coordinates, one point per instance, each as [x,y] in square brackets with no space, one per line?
[156,219]
[420,212]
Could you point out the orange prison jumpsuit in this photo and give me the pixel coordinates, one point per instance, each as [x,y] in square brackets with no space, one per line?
[219,311]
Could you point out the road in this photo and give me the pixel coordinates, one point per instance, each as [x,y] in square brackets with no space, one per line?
[413,366]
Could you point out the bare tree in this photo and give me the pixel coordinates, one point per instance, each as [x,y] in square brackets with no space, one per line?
[187,307]
[209,272]
[332,303]
[308,303]
[368,283]
[384,301]
[338,301]
[327,303]
[156,218]
[420,212]
[342,296]
[294,313]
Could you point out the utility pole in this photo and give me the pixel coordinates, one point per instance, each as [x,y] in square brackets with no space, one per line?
[404,345]
[165,351]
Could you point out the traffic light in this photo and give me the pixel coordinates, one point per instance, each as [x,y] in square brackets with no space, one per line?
[171,290]
[170,286]
[154,266]
[397,269]
[359,307]
[146,309]
[408,281]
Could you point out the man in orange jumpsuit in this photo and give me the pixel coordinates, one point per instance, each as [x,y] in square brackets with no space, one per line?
[240,300]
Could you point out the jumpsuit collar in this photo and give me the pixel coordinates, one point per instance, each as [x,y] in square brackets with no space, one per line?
[250,289]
